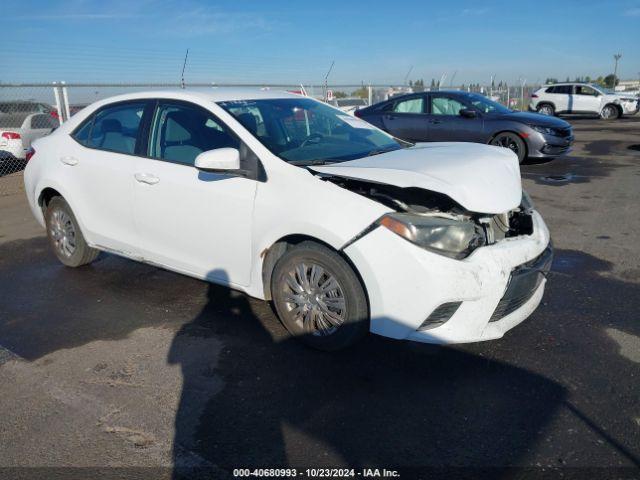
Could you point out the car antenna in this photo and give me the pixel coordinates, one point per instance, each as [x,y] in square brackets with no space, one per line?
[326,77]
[184,65]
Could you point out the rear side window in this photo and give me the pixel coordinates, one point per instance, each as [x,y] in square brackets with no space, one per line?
[410,105]
[113,128]
[562,89]
[42,121]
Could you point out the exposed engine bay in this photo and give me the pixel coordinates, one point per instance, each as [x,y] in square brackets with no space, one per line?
[418,201]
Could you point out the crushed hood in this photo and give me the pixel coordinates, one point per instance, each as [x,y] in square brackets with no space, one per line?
[481,178]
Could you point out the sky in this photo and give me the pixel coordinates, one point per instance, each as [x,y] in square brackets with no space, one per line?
[295,42]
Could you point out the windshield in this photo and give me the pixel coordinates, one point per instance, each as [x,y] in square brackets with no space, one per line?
[603,89]
[485,105]
[303,131]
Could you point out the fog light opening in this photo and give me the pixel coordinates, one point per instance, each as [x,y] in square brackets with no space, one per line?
[440,316]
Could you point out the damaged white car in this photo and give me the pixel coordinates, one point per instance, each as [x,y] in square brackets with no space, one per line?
[344,228]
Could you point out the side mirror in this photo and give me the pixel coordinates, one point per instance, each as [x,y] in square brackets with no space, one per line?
[221,160]
[468,113]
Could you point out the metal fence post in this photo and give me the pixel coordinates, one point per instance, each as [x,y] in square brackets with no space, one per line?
[56,94]
[65,100]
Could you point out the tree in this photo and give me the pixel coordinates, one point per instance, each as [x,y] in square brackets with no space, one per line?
[362,92]
[418,86]
[611,81]
[340,94]
[551,80]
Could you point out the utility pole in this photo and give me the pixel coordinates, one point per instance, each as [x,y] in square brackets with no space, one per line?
[406,77]
[326,78]
[616,57]
[184,65]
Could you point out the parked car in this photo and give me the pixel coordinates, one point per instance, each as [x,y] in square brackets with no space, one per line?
[343,227]
[19,130]
[457,116]
[24,107]
[583,98]
[349,104]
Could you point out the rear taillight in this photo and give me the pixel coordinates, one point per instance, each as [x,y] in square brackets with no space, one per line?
[533,95]
[11,135]
[54,114]
[30,153]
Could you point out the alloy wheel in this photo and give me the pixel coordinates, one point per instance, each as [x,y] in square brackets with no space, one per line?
[608,113]
[545,110]
[507,141]
[314,299]
[63,233]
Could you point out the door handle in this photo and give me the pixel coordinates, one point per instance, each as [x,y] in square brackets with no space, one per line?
[391,117]
[435,121]
[69,160]
[147,178]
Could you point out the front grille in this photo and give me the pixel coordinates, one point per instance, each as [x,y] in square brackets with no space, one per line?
[555,149]
[523,283]
[512,303]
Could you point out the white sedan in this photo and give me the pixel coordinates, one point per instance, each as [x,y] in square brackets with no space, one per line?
[344,228]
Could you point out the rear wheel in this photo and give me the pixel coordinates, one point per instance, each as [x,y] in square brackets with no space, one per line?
[546,109]
[513,142]
[65,236]
[319,298]
[609,112]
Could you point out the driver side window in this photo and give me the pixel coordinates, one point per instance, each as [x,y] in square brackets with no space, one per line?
[584,90]
[445,106]
[182,132]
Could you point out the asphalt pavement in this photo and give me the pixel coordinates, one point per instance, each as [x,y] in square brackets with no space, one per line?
[120,364]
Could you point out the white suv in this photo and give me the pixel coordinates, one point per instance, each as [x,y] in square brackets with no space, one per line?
[582,98]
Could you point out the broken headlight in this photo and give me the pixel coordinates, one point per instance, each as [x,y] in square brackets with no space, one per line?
[452,238]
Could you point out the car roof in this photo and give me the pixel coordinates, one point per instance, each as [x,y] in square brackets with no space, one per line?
[214,94]
[569,83]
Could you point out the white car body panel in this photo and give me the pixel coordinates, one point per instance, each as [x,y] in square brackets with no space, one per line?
[398,307]
[168,219]
[219,227]
[481,178]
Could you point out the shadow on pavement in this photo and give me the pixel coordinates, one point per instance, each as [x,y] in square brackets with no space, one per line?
[380,403]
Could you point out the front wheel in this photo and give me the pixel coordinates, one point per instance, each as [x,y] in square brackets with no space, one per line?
[65,236]
[513,142]
[319,298]
[609,112]
[546,109]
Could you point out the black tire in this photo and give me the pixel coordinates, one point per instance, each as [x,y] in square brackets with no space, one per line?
[307,327]
[610,112]
[65,236]
[546,109]
[511,141]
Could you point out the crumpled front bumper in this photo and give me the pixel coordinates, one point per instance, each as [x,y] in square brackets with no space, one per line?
[406,283]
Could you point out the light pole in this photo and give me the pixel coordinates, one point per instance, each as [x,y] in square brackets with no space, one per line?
[616,57]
